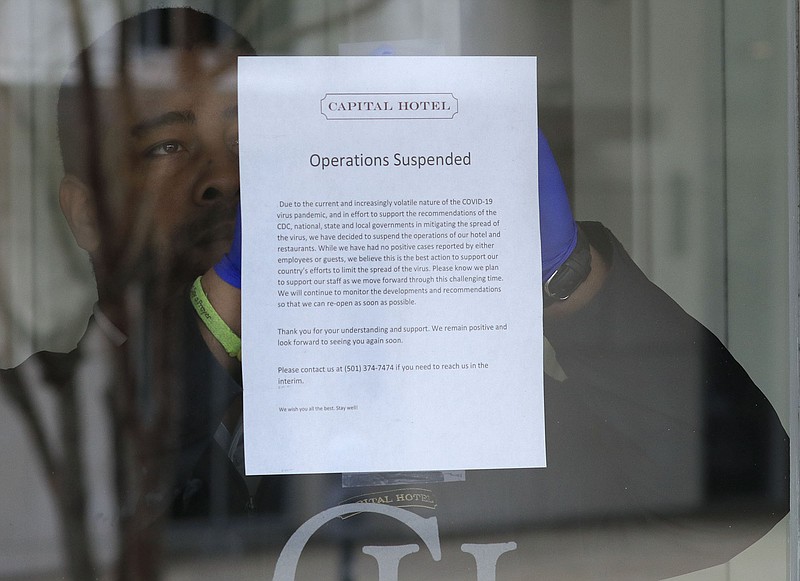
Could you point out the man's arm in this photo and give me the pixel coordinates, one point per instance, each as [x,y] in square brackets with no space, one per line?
[654,409]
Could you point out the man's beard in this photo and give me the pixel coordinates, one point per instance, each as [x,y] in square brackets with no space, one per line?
[167,263]
[198,245]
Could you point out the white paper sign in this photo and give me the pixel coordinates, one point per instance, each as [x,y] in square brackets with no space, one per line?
[391,264]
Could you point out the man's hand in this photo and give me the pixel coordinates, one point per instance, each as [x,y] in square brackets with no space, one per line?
[558,229]
[229,268]
[559,234]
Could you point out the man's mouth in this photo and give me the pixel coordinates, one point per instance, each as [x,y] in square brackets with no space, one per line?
[221,232]
[216,227]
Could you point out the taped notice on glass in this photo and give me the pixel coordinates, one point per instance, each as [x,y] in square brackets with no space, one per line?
[391,299]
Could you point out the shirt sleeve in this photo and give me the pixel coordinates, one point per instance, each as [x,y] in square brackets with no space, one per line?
[657,412]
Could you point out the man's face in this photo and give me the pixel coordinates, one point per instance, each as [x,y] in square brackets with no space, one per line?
[171,146]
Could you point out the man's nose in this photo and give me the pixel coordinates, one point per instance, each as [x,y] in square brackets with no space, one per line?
[211,194]
[219,182]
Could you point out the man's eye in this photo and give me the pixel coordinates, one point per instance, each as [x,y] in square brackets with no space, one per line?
[165,148]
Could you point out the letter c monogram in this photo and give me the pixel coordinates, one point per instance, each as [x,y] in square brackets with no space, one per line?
[426,528]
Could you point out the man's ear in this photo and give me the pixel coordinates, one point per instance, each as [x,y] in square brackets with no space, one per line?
[77,205]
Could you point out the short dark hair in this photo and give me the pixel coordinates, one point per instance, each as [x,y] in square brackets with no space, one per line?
[79,117]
